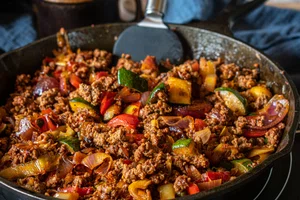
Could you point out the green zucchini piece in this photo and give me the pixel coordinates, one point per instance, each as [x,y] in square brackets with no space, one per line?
[159,87]
[132,80]
[78,103]
[243,165]
[72,143]
[233,100]
[181,143]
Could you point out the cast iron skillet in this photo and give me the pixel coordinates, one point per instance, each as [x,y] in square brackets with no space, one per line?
[197,42]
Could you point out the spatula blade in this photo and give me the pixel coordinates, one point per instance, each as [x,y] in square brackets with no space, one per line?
[142,41]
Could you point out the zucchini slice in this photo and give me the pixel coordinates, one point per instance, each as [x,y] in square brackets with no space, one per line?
[79,103]
[132,80]
[233,100]
[243,165]
[157,88]
[184,147]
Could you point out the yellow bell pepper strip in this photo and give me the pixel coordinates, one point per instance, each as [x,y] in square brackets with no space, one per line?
[137,190]
[206,67]
[129,79]
[263,157]
[133,109]
[159,87]
[66,195]
[180,91]
[259,151]
[259,91]
[210,82]
[78,103]
[243,165]
[233,100]
[112,111]
[184,147]
[42,165]
[166,191]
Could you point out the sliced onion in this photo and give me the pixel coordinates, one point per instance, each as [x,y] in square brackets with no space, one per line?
[193,172]
[204,134]
[64,167]
[145,97]
[178,121]
[96,159]
[80,169]
[272,115]
[45,84]
[197,109]
[78,157]
[209,185]
[25,129]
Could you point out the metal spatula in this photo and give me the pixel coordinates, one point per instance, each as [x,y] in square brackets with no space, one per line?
[150,37]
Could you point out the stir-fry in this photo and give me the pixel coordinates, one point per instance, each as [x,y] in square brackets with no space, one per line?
[82,127]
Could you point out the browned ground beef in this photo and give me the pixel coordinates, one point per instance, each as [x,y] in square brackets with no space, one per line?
[145,151]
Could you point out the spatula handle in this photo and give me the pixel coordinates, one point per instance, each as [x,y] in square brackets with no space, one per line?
[156,7]
[154,13]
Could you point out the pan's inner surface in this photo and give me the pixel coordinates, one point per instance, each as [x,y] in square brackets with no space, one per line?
[196,43]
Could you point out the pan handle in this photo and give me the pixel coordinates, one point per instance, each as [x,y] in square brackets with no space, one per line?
[225,20]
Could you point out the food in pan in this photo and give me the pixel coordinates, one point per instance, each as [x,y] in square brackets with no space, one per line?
[84,128]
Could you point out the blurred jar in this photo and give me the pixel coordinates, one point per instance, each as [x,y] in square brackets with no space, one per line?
[51,15]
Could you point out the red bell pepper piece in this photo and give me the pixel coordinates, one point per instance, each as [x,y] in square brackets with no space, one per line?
[193,189]
[57,74]
[101,74]
[63,84]
[50,124]
[225,176]
[41,124]
[127,162]
[199,124]
[75,80]
[129,121]
[195,66]
[135,137]
[47,111]
[107,101]
[70,65]
[254,133]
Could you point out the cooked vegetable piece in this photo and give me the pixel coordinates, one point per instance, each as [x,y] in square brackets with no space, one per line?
[78,103]
[210,184]
[149,65]
[112,111]
[178,121]
[197,109]
[75,80]
[180,91]
[204,135]
[254,133]
[126,120]
[40,166]
[133,109]
[2,127]
[263,157]
[45,84]
[199,124]
[207,67]
[137,189]
[243,165]
[72,143]
[259,151]
[166,191]
[25,129]
[259,91]
[224,176]
[66,195]
[274,112]
[184,147]
[97,159]
[159,87]
[233,100]
[129,97]
[107,101]
[193,189]
[79,190]
[129,79]
[210,82]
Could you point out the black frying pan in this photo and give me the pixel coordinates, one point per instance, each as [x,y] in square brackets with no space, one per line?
[204,41]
